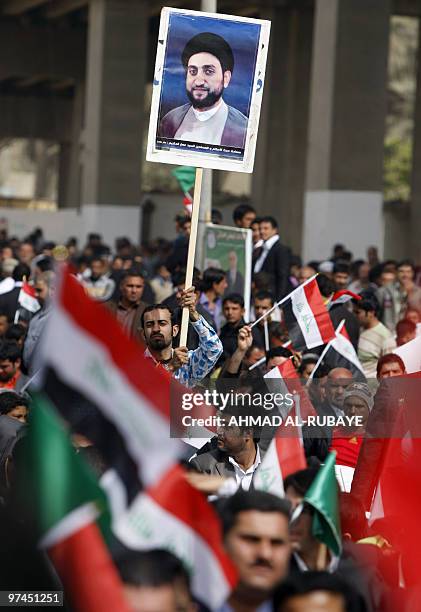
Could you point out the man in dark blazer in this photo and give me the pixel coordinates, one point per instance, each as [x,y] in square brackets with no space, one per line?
[234,453]
[274,258]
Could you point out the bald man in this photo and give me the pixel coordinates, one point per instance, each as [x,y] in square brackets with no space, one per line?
[338,380]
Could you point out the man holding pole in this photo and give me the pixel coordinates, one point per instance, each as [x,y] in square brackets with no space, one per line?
[159,330]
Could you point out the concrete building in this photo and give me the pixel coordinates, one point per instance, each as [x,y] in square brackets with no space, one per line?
[76,71]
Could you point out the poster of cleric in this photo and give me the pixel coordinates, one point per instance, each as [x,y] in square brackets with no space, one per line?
[208,88]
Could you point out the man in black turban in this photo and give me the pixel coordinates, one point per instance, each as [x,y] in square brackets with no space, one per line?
[209,63]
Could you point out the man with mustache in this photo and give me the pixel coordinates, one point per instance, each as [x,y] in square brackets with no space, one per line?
[208,61]
[256,538]
[159,329]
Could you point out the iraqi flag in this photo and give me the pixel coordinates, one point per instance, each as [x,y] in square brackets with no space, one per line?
[27,298]
[104,387]
[342,297]
[284,456]
[307,317]
[174,515]
[339,353]
[67,505]
[285,380]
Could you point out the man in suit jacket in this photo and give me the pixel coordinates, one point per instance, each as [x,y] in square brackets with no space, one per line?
[274,258]
[234,453]
[208,61]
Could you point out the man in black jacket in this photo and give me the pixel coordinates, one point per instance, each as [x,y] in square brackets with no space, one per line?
[274,258]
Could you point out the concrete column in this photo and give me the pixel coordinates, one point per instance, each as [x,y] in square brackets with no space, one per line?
[70,155]
[415,205]
[114,109]
[346,127]
[279,175]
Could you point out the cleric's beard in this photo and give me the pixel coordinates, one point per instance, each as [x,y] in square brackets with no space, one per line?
[208,101]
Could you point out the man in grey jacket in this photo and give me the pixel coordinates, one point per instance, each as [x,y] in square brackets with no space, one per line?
[209,62]
[44,289]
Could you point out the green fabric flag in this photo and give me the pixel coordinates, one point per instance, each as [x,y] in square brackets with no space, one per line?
[323,497]
[54,480]
[186,176]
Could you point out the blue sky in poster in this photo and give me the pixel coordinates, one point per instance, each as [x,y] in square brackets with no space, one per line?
[243,39]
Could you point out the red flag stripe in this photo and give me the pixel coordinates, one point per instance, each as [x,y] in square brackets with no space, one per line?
[179,498]
[290,455]
[88,574]
[320,311]
[292,381]
[151,382]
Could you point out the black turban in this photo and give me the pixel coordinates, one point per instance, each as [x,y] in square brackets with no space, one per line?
[209,43]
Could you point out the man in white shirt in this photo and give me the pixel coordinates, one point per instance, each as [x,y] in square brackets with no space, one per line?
[209,62]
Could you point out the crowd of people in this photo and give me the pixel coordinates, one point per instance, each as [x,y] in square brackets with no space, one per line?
[276,555]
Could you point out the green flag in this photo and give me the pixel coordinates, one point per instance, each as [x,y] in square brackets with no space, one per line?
[186,176]
[323,497]
[55,481]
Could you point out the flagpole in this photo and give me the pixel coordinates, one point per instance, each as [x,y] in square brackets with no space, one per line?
[191,251]
[263,359]
[287,297]
[325,350]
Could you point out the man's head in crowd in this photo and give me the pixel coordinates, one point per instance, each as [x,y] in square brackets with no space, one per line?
[132,285]
[341,275]
[253,354]
[296,485]
[317,389]
[4,324]
[14,405]
[268,227]
[26,252]
[233,308]
[16,333]
[7,267]
[405,331]
[358,401]
[390,365]
[255,229]
[307,365]
[367,310]
[234,439]
[256,538]
[263,301]
[406,272]
[158,326]
[44,287]
[244,215]
[10,360]
[20,272]
[305,273]
[338,380]
[155,581]
[317,592]
[276,357]
[98,267]
[214,280]
[326,285]
[413,315]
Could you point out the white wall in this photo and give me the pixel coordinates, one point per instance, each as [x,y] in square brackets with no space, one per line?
[110,221]
[352,218]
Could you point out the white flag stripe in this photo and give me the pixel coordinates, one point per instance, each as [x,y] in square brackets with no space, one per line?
[74,521]
[268,476]
[147,525]
[28,302]
[306,319]
[85,364]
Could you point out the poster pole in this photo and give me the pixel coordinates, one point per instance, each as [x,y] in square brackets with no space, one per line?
[192,251]
[207,6]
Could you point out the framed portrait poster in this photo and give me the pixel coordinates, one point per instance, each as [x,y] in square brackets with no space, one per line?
[207,91]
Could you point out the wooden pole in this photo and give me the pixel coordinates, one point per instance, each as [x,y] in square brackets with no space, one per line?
[191,251]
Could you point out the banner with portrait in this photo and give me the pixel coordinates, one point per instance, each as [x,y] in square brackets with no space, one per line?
[207,90]
[230,249]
